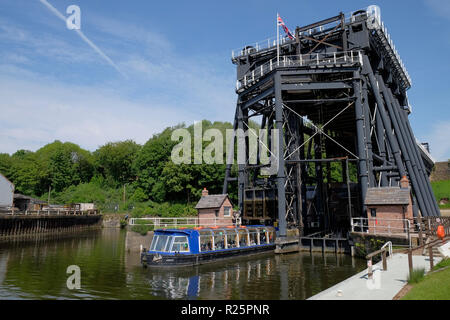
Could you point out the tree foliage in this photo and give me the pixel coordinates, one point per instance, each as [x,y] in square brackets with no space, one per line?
[118,175]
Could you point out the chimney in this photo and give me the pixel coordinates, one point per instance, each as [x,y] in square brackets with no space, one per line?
[404,182]
[204,192]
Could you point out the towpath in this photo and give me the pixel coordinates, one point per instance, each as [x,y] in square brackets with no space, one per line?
[384,285]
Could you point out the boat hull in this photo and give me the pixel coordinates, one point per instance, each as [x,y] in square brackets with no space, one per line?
[157,260]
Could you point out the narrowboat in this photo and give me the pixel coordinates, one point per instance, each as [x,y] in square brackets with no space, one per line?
[181,247]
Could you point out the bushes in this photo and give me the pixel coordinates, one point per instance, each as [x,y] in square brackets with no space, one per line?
[163,210]
[142,229]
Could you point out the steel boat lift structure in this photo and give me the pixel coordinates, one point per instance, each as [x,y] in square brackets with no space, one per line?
[337,92]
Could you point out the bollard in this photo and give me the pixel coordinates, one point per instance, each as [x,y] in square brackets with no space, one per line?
[384,261]
[369,267]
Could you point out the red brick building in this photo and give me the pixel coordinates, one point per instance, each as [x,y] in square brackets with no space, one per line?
[214,209]
[387,207]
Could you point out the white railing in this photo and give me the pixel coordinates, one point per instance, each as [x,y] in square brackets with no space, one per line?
[381,226]
[389,245]
[257,46]
[52,212]
[190,222]
[272,42]
[374,22]
[301,60]
[384,227]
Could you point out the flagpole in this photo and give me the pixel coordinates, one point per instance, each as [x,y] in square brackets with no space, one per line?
[278,42]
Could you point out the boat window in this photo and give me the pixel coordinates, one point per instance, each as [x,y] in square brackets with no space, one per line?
[253,234]
[271,235]
[154,240]
[206,243]
[160,242]
[231,238]
[262,236]
[168,244]
[180,244]
[243,239]
[219,239]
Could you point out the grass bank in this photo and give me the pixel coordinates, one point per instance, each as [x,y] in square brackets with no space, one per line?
[441,190]
[434,286]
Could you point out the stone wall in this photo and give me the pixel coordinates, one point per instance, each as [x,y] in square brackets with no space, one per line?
[134,240]
[441,171]
[112,220]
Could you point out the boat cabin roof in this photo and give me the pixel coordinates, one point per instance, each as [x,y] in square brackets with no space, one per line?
[197,231]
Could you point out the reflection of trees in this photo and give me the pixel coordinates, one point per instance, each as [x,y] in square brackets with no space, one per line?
[38,270]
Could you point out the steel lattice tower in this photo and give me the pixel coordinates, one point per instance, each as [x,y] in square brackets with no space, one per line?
[337,94]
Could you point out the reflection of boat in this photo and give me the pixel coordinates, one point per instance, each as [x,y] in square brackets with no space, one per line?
[175,247]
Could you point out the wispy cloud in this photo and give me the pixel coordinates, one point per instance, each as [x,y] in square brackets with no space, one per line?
[83,36]
[439,7]
[165,86]
[87,116]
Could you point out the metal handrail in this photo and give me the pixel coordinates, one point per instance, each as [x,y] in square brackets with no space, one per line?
[365,227]
[272,41]
[179,222]
[58,212]
[301,60]
[369,257]
[389,245]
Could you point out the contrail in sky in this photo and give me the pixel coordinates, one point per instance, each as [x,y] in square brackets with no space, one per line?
[82,36]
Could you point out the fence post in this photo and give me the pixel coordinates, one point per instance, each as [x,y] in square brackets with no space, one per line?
[410,262]
[384,261]
[420,232]
[430,250]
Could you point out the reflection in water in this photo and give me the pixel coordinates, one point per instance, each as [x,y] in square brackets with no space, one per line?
[37,270]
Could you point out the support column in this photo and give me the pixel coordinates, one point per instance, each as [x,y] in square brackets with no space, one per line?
[241,166]
[281,178]
[362,163]
[381,146]
[415,156]
[230,156]
[368,140]
[406,152]
[387,125]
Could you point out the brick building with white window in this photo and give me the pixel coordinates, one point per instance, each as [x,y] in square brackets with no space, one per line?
[214,209]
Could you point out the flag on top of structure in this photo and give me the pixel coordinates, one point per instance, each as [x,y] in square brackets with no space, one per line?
[286,30]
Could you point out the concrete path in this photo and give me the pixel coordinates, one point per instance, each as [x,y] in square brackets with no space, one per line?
[385,284]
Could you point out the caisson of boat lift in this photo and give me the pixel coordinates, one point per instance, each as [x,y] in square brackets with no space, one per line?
[337,90]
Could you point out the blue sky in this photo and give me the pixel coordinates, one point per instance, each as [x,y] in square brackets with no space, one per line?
[174,62]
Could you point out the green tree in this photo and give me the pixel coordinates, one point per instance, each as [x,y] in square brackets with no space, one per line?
[115,161]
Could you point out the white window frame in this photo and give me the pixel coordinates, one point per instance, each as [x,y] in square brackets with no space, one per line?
[173,242]
[229,211]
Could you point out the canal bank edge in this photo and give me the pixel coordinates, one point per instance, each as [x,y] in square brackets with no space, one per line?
[134,240]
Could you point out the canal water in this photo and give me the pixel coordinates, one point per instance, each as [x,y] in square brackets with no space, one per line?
[37,270]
